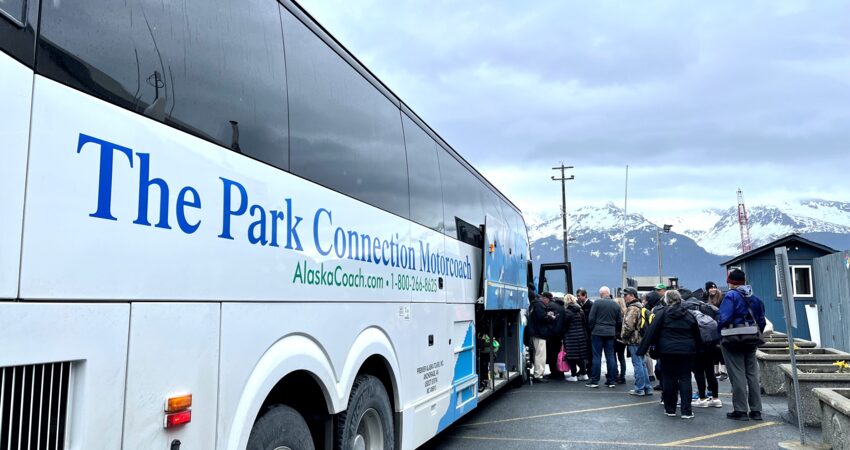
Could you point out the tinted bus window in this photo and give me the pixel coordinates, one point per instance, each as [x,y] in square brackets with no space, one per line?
[461,196]
[344,133]
[426,193]
[212,68]
[18,19]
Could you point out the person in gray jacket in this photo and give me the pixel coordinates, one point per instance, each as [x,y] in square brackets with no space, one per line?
[605,322]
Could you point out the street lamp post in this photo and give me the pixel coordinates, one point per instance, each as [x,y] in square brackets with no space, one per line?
[658,231]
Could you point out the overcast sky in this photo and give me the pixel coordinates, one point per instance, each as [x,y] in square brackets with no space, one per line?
[697,98]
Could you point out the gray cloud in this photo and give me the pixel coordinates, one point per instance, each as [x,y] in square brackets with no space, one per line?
[598,85]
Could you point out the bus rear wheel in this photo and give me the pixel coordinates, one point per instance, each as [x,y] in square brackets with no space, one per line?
[280,428]
[367,424]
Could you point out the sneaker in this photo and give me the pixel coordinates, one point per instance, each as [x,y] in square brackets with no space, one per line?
[737,415]
[670,414]
[541,380]
[611,385]
[583,377]
[621,380]
[657,387]
[755,415]
[688,415]
[695,396]
[723,377]
[592,385]
[636,393]
[701,403]
[572,379]
[715,403]
[648,393]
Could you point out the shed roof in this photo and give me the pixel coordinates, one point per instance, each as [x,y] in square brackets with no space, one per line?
[779,242]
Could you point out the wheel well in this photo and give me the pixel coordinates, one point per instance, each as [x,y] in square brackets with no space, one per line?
[378,367]
[303,392]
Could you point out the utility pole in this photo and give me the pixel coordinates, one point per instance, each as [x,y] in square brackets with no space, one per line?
[625,275]
[658,245]
[563,180]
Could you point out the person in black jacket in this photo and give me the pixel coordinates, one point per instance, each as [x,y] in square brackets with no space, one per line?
[706,356]
[586,304]
[555,336]
[539,317]
[575,340]
[675,334]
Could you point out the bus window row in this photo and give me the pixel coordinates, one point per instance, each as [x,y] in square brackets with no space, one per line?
[251,77]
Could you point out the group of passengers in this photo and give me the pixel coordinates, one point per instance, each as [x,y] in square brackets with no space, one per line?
[673,335]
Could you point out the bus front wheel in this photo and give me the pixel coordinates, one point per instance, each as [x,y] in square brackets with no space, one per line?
[280,428]
[367,424]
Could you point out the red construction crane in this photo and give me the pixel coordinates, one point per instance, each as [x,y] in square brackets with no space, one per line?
[746,245]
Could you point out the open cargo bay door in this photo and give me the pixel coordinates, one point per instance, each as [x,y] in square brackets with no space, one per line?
[501,356]
[505,277]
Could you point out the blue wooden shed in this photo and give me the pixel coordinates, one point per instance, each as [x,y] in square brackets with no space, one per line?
[760,267]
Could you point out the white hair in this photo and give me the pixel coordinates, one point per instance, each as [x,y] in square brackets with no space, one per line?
[604,290]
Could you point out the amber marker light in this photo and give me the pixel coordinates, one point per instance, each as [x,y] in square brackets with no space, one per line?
[177,410]
[175,404]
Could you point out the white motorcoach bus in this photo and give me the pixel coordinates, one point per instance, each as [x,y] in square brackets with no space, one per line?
[218,230]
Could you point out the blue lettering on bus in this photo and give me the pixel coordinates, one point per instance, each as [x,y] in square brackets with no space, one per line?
[228,212]
[104,184]
[266,224]
[145,182]
[319,248]
[182,203]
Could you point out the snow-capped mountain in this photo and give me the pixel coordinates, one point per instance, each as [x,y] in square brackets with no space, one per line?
[693,249]
[722,236]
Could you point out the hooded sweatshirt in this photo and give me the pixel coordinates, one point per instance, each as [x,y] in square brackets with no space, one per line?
[733,308]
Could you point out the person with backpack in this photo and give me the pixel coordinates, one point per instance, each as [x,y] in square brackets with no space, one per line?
[706,316]
[631,337]
[741,321]
[675,333]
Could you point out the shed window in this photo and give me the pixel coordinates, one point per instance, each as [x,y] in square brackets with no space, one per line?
[801,280]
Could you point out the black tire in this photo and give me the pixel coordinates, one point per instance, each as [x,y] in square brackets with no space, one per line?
[369,404]
[280,426]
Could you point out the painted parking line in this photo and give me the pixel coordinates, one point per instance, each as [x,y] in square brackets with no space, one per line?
[722,433]
[605,443]
[563,413]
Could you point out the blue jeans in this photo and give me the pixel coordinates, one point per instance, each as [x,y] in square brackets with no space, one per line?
[606,343]
[641,375]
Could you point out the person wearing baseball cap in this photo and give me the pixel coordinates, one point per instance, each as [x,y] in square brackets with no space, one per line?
[740,306]
[630,335]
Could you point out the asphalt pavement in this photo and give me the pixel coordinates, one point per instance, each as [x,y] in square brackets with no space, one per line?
[564,415]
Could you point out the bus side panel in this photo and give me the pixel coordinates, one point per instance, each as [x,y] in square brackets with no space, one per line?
[263,342]
[16,92]
[173,352]
[428,364]
[465,286]
[98,174]
[93,338]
